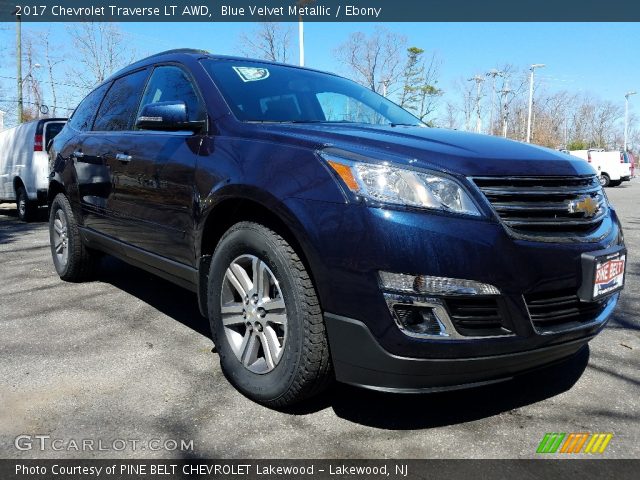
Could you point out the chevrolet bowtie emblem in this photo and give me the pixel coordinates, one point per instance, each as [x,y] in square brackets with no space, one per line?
[587,205]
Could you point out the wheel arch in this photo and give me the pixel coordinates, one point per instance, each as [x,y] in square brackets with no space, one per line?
[231,209]
[55,187]
[17,183]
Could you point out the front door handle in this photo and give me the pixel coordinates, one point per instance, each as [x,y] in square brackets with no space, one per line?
[123,157]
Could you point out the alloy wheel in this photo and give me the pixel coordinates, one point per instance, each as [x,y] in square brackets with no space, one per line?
[254,314]
[60,238]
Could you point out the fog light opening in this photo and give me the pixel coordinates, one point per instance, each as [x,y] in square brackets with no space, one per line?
[421,321]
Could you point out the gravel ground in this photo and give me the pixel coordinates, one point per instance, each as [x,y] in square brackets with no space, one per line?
[128,357]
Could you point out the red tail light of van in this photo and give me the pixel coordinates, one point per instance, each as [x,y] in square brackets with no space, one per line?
[37,143]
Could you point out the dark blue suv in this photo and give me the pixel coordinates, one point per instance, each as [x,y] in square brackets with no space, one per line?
[328,233]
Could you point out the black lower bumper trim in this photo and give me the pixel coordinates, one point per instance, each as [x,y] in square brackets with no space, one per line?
[360,360]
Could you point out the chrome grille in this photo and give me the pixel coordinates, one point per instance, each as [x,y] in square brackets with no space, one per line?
[541,206]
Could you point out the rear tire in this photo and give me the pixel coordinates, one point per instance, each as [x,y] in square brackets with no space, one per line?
[271,338]
[604,180]
[74,262]
[27,209]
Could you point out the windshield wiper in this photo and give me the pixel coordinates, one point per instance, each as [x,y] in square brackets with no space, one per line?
[404,125]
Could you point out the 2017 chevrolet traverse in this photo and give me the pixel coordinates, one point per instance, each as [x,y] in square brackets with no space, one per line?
[328,233]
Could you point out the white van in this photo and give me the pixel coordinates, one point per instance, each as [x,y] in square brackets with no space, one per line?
[24,164]
[610,165]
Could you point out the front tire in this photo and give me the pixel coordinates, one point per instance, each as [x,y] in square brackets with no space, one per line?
[74,262]
[26,208]
[265,318]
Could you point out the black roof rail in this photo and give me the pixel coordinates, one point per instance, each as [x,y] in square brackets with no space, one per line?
[166,52]
[177,50]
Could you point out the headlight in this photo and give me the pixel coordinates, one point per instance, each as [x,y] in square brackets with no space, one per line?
[399,186]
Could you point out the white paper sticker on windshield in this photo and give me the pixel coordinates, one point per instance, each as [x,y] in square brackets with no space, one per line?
[251,74]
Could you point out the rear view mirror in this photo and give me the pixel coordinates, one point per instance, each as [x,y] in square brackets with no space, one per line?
[167,116]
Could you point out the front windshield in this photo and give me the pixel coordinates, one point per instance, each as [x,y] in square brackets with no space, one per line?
[263,92]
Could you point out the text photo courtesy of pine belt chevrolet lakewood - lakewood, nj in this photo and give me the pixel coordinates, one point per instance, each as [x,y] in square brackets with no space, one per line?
[313,247]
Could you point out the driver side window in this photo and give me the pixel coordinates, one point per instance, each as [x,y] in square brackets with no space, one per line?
[170,83]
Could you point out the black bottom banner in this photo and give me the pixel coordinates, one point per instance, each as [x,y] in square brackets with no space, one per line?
[317,469]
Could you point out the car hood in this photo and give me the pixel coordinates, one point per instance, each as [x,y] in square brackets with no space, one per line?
[455,152]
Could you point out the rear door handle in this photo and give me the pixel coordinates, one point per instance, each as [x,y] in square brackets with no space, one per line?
[123,157]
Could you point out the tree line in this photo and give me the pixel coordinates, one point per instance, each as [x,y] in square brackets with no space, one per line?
[494,102]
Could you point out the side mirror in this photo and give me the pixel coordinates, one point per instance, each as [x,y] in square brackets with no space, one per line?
[167,116]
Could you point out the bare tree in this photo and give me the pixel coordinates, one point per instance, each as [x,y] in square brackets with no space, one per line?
[268,41]
[101,50]
[51,64]
[451,116]
[374,61]
[605,116]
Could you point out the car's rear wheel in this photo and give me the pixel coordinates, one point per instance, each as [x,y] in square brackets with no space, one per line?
[605,180]
[26,208]
[266,319]
[73,261]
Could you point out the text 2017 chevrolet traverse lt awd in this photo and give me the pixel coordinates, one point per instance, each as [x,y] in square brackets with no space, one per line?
[327,233]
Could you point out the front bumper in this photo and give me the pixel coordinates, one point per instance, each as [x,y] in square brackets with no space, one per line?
[359,360]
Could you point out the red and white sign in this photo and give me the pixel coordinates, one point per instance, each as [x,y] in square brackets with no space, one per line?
[609,276]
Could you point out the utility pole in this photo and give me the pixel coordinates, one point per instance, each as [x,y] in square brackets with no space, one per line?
[301,40]
[19,64]
[493,74]
[505,109]
[533,68]
[626,117]
[301,3]
[478,79]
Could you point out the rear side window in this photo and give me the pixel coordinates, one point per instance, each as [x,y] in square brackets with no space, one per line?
[171,83]
[84,114]
[120,105]
[52,129]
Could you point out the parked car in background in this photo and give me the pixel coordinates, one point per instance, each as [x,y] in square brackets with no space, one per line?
[630,159]
[328,232]
[610,165]
[24,164]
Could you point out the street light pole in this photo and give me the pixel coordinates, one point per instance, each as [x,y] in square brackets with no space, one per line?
[626,117]
[301,3]
[533,68]
[505,107]
[301,41]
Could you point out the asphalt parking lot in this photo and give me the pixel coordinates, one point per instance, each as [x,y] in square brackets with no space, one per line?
[128,357]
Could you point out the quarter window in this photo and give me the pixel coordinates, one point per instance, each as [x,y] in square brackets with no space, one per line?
[119,107]
[170,83]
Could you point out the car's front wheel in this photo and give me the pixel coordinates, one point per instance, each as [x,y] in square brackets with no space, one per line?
[266,319]
[73,261]
[605,180]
